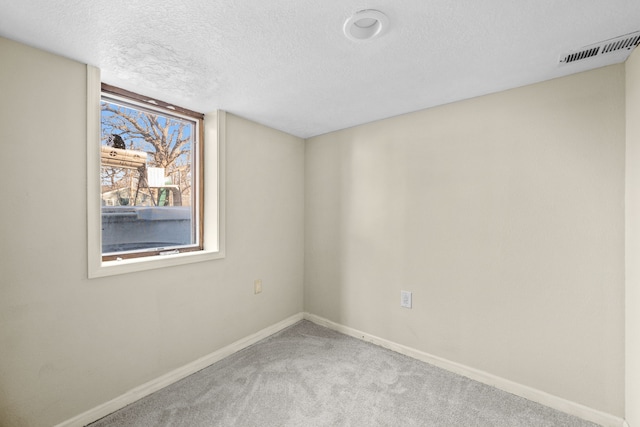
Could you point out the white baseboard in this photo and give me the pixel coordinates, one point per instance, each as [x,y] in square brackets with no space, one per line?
[152,386]
[512,387]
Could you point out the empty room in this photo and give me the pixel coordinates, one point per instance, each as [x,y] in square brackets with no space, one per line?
[336,213]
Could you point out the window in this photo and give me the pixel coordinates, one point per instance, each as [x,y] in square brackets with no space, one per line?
[150,201]
[150,177]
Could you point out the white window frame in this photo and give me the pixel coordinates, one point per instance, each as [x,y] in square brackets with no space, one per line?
[214,200]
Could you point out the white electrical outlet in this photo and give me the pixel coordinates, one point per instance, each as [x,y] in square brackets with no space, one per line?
[257,286]
[405,299]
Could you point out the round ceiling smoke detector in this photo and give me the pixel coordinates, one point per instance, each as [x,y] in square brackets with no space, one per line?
[365,25]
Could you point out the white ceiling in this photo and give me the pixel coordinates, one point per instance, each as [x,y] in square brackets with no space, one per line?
[287,64]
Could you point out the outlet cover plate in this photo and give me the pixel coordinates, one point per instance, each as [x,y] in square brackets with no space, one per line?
[405,299]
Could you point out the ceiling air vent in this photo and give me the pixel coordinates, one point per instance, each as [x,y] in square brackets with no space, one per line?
[620,47]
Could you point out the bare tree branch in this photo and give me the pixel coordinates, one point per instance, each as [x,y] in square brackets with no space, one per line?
[166,140]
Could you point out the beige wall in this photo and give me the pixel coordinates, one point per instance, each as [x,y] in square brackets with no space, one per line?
[504,215]
[68,344]
[632,340]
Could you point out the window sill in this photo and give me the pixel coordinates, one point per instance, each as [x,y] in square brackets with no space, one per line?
[112,268]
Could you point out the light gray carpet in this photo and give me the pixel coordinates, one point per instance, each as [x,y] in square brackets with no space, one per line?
[308,375]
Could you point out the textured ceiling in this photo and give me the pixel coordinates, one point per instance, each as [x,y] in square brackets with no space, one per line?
[288,65]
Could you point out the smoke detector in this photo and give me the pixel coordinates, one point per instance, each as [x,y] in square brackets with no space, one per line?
[618,49]
[365,25]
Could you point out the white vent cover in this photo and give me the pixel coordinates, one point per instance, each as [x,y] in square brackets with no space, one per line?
[619,46]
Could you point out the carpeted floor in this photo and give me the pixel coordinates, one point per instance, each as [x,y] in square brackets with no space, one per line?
[308,375]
